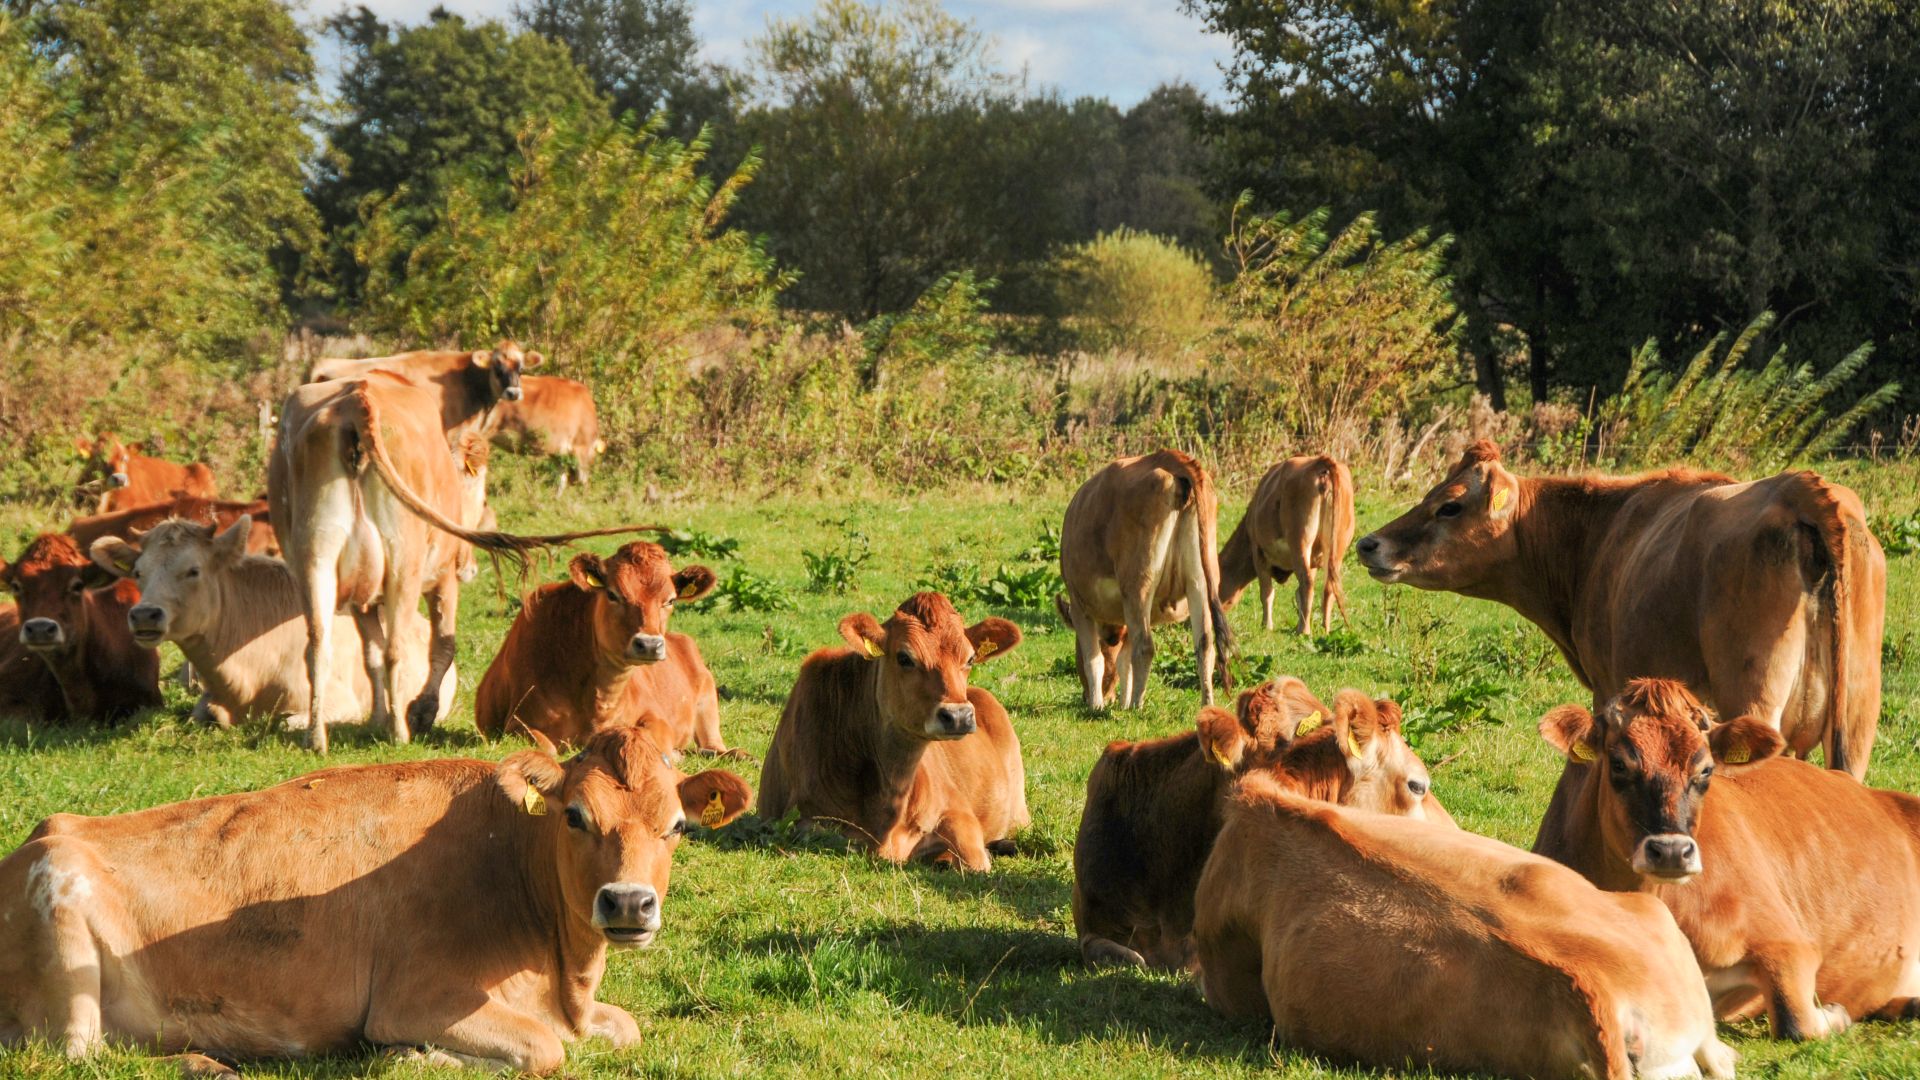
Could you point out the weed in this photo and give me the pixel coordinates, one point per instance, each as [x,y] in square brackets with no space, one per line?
[699,544]
[1464,704]
[744,590]
[1022,590]
[835,571]
[1898,535]
[1339,642]
[1047,548]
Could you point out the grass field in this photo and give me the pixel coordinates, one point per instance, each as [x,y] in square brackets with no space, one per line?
[785,957]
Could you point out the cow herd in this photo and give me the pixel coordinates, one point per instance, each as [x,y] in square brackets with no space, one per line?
[1289,851]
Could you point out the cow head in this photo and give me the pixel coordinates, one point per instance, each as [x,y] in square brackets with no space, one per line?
[499,368]
[107,455]
[50,582]
[616,811]
[1453,536]
[1262,725]
[176,565]
[1352,754]
[634,591]
[921,657]
[1657,748]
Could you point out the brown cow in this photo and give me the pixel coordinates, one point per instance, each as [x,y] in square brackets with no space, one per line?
[462,906]
[1799,888]
[1768,598]
[468,386]
[1300,519]
[1153,808]
[134,479]
[886,740]
[261,540]
[1138,549]
[594,652]
[74,618]
[237,619]
[27,685]
[555,416]
[1409,945]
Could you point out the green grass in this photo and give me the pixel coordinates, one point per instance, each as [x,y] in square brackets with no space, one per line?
[784,959]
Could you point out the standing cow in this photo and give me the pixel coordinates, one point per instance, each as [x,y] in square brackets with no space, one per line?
[1300,520]
[462,906]
[469,387]
[1138,548]
[131,478]
[555,416]
[73,617]
[1768,598]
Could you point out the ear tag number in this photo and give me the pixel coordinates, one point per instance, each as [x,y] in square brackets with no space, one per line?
[984,650]
[1738,754]
[715,810]
[1582,753]
[535,802]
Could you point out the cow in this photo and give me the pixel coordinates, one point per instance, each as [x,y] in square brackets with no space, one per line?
[132,479]
[1300,519]
[1408,945]
[1768,598]
[371,503]
[1138,549]
[886,740]
[555,416]
[261,540]
[27,685]
[237,619]
[1153,808]
[73,617]
[1798,887]
[469,387]
[462,906]
[594,652]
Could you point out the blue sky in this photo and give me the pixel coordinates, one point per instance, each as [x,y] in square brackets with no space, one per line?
[1118,49]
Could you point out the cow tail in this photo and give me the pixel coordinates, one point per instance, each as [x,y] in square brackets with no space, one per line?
[1848,739]
[1205,504]
[1236,563]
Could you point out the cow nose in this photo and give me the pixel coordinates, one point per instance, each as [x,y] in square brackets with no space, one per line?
[1368,544]
[118,479]
[146,616]
[648,647]
[622,906]
[1670,855]
[40,633]
[954,719]
[511,393]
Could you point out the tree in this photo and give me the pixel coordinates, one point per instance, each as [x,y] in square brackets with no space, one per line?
[638,53]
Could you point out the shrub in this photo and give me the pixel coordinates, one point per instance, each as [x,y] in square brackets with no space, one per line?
[743,590]
[1133,290]
[694,543]
[835,571]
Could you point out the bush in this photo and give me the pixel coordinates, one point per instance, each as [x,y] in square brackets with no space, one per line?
[836,571]
[1135,291]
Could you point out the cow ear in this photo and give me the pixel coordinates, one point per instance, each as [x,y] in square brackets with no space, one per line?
[1223,741]
[114,555]
[1744,741]
[992,637]
[1356,726]
[715,797]
[862,631]
[94,576]
[231,544]
[1570,729]
[691,583]
[82,445]
[528,778]
[480,358]
[532,360]
[587,571]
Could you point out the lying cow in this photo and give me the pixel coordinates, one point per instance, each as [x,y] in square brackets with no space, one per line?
[886,740]
[131,478]
[1405,944]
[237,619]
[553,416]
[216,512]
[1300,520]
[1766,597]
[1138,549]
[1799,888]
[593,652]
[1153,808]
[74,619]
[462,906]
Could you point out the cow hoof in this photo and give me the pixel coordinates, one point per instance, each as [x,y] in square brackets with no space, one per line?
[1102,953]
[202,1067]
[422,714]
[1002,847]
[1838,1019]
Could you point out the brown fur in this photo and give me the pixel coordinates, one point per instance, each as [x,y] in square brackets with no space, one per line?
[27,685]
[555,416]
[398,905]
[1803,898]
[1300,520]
[1401,943]
[146,479]
[860,745]
[134,520]
[470,386]
[102,674]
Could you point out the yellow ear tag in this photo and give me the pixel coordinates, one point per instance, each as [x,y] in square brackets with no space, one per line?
[1500,498]
[1219,757]
[984,650]
[1738,754]
[1311,723]
[535,802]
[715,810]
[687,591]
[1353,744]
[1581,752]
[872,649]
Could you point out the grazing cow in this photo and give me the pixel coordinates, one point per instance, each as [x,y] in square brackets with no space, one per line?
[1799,888]
[134,479]
[1138,549]
[1301,518]
[73,616]
[886,740]
[237,619]
[593,652]
[1409,945]
[469,386]
[27,685]
[1768,598]
[555,416]
[462,906]
[1153,808]
[86,531]
[370,503]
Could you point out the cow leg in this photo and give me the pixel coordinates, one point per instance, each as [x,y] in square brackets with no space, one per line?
[207,711]
[1086,641]
[1303,598]
[706,726]
[1099,952]
[377,655]
[319,601]
[1231,978]
[1793,1010]
[612,1023]
[494,1036]
[1901,1008]
[1266,591]
[1338,593]
[443,605]
[400,602]
[1135,660]
[966,842]
[52,939]
[1199,604]
[566,473]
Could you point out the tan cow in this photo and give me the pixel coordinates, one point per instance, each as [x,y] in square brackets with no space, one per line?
[1138,549]
[130,478]
[1300,520]
[237,619]
[553,416]
[463,906]
[1153,808]
[1798,887]
[469,386]
[1409,945]
[594,652]
[1768,598]
[885,739]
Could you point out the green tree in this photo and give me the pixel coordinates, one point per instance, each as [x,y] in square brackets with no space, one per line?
[640,54]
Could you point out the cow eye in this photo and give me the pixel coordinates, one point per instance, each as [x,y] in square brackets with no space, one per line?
[1448,509]
[1619,769]
[193,573]
[1418,788]
[576,819]
[671,600]
[905,659]
[77,587]
[1701,780]
[680,828]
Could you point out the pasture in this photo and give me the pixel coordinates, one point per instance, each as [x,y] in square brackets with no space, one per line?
[786,955]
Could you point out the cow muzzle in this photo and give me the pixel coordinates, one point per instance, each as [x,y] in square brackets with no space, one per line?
[647,648]
[628,915]
[42,634]
[148,623]
[1375,556]
[118,480]
[952,721]
[511,393]
[1668,857]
